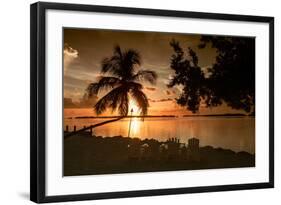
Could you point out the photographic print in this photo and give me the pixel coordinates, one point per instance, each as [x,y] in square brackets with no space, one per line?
[137,101]
[169,102]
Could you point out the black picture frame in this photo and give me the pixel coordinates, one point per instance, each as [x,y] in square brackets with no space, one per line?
[38,103]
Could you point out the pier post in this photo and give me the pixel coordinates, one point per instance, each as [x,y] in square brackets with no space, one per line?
[66,128]
[74,128]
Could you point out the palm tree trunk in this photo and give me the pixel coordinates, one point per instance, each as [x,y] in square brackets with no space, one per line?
[92,126]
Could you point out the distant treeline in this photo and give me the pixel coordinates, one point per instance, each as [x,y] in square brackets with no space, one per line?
[165,116]
[220,115]
[130,116]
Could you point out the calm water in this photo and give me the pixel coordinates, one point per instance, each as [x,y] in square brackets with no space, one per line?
[236,133]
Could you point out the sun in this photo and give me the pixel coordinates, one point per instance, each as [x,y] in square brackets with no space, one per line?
[133,108]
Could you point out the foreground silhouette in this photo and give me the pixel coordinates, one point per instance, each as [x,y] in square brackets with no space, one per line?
[87,155]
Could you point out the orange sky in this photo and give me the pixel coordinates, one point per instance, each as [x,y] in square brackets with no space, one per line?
[84,50]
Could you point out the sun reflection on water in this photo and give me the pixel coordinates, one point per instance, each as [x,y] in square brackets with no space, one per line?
[135,127]
[133,108]
[134,122]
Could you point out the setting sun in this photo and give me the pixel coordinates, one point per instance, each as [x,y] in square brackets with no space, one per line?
[133,108]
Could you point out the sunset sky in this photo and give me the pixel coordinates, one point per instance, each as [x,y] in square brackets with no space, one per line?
[84,50]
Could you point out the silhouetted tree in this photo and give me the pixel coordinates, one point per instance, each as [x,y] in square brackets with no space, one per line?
[124,81]
[188,75]
[231,79]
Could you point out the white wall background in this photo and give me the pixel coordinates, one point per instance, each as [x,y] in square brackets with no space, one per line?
[14,103]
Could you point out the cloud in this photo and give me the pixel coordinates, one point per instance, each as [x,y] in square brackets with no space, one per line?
[71,91]
[87,101]
[179,88]
[70,51]
[165,100]
[84,102]
[69,54]
[166,80]
[152,89]
[161,100]
[68,103]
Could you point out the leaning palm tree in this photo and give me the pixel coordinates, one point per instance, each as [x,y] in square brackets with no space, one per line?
[121,80]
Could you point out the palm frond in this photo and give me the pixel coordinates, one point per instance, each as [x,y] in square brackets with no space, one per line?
[134,85]
[131,58]
[146,75]
[123,105]
[117,51]
[114,100]
[102,104]
[111,65]
[141,100]
[121,64]
[105,83]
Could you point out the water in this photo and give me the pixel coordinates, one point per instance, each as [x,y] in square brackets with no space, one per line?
[235,133]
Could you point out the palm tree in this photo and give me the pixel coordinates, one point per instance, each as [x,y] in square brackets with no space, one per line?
[122,81]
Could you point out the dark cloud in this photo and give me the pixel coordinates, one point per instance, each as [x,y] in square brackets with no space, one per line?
[85,102]
[150,88]
[68,103]
[88,102]
[161,100]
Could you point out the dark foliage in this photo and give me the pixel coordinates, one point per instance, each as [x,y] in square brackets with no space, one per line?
[231,79]
[189,75]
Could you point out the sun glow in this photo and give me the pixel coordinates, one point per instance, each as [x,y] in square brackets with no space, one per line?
[133,108]
[134,122]
[135,127]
